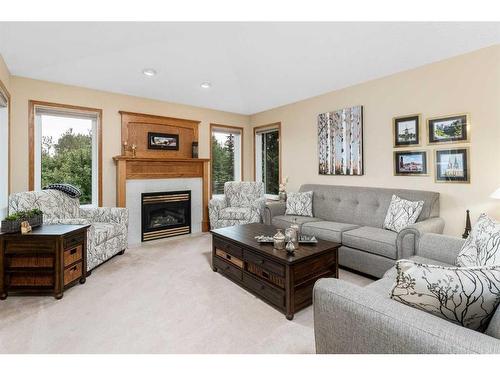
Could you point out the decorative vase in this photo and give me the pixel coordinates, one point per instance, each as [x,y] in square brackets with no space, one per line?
[291,235]
[194,150]
[282,196]
[279,240]
[290,248]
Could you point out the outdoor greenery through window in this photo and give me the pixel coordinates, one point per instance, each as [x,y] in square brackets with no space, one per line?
[226,158]
[68,151]
[267,160]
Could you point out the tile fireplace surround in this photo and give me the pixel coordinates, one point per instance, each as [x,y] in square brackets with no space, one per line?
[136,187]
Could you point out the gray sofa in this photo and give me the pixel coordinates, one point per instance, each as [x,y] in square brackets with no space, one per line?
[354,216]
[353,319]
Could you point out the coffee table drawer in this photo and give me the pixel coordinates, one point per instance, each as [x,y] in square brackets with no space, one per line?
[269,293]
[264,263]
[228,269]
[228,247]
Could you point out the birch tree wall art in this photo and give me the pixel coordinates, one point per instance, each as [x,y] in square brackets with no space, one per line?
[340,142]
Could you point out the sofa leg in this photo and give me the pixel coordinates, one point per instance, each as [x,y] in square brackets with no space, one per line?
[88,273]
[121,252]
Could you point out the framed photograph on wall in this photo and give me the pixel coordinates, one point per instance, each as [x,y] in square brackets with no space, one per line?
[162,141]
[410,163]
[406,130]
[449,129]
[452,165]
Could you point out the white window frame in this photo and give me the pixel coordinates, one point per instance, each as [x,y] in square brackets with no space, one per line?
[39,111]
[258,155]
[238,151]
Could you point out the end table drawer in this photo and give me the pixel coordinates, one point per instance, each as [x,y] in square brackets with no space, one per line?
[228,257]
[30,279]
[72,273]
[228,247]
[74,240]
[228,269]
[73,255]
[264,263]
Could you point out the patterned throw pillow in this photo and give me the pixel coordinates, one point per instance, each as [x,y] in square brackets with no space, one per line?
[402,213]
[466,296]
[482,247]
[68,189]
[299,204]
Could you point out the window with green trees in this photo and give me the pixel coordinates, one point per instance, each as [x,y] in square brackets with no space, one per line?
[267,160]
[67,152]
[226,157]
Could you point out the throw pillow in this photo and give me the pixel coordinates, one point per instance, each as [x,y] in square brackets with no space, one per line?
[482,247]
[68,189]
[466,296]
[299,204]
[402,213]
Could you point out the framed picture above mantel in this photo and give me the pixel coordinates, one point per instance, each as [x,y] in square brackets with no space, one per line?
[163,141]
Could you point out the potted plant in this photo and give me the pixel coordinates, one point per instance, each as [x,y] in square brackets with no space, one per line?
[12,223]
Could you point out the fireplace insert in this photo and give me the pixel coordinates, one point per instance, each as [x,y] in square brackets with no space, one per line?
[165,214]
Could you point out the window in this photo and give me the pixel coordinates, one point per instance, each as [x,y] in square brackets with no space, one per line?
[267,158]
[66,149]
[4,151]
[226,156]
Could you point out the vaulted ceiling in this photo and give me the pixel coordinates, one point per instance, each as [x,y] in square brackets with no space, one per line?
[251,66]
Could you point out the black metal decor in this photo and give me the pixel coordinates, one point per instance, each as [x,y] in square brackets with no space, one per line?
[467,225]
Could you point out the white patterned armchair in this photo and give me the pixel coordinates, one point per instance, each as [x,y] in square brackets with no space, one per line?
[107,235]
[242,203]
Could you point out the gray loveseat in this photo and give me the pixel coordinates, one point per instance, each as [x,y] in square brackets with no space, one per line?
[353,319]
[354,216]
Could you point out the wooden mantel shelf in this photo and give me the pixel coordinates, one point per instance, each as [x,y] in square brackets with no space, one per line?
[130,168]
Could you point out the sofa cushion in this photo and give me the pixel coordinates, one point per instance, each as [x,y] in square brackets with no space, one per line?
[402,213]
[102,232]
[467,296]
[300,204]
[482,247]
[235,213]
[284,221]
[327,230]
[374,240]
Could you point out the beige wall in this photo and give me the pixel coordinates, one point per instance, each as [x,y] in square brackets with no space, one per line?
[468,83]
[24,89]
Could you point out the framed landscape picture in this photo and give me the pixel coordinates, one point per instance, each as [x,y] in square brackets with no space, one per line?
[452,165]
[410,163]
[161,141]
[406,131]
[340,142]
[446,129]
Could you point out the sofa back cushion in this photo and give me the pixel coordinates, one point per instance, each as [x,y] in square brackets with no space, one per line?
[365,205]
[243,194]
[54,204]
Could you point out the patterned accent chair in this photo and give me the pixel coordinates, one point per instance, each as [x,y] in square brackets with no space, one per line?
[242,203]
[107,234]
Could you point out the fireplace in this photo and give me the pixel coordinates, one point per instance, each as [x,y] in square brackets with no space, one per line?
[165,214]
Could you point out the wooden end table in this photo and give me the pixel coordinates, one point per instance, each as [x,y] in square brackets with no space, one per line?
[47,260]
[285,282]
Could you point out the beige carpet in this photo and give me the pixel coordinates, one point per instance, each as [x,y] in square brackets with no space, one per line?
[161,297]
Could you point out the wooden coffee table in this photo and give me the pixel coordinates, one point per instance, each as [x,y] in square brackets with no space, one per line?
[285,282]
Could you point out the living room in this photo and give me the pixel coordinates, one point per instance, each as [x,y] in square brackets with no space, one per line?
[249,187]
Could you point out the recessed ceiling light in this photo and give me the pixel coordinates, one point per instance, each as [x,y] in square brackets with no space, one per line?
[149,72]
[206,85]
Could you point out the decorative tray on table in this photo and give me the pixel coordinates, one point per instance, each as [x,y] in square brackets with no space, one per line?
[303,239]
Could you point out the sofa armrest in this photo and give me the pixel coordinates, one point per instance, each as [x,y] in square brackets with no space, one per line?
[273,209]
[351,319]
[116,215]
[259,205]
[408,237]
[439,247]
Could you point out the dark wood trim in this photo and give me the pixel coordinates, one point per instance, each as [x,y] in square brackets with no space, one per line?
[3,88]
[242,130]
[274,125]
[31,139]
[158,117]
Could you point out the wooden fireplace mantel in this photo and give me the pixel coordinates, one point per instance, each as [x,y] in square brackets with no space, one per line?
[130,168]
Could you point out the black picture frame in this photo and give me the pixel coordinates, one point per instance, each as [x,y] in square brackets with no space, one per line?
[407,169]
[413,137]
[441,129]
[452,165]
[156,144]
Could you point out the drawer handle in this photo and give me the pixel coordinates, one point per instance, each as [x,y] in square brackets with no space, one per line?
[73,251]
[259,261]
[226,268]
[228,257]
[73,269]
[262,287]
